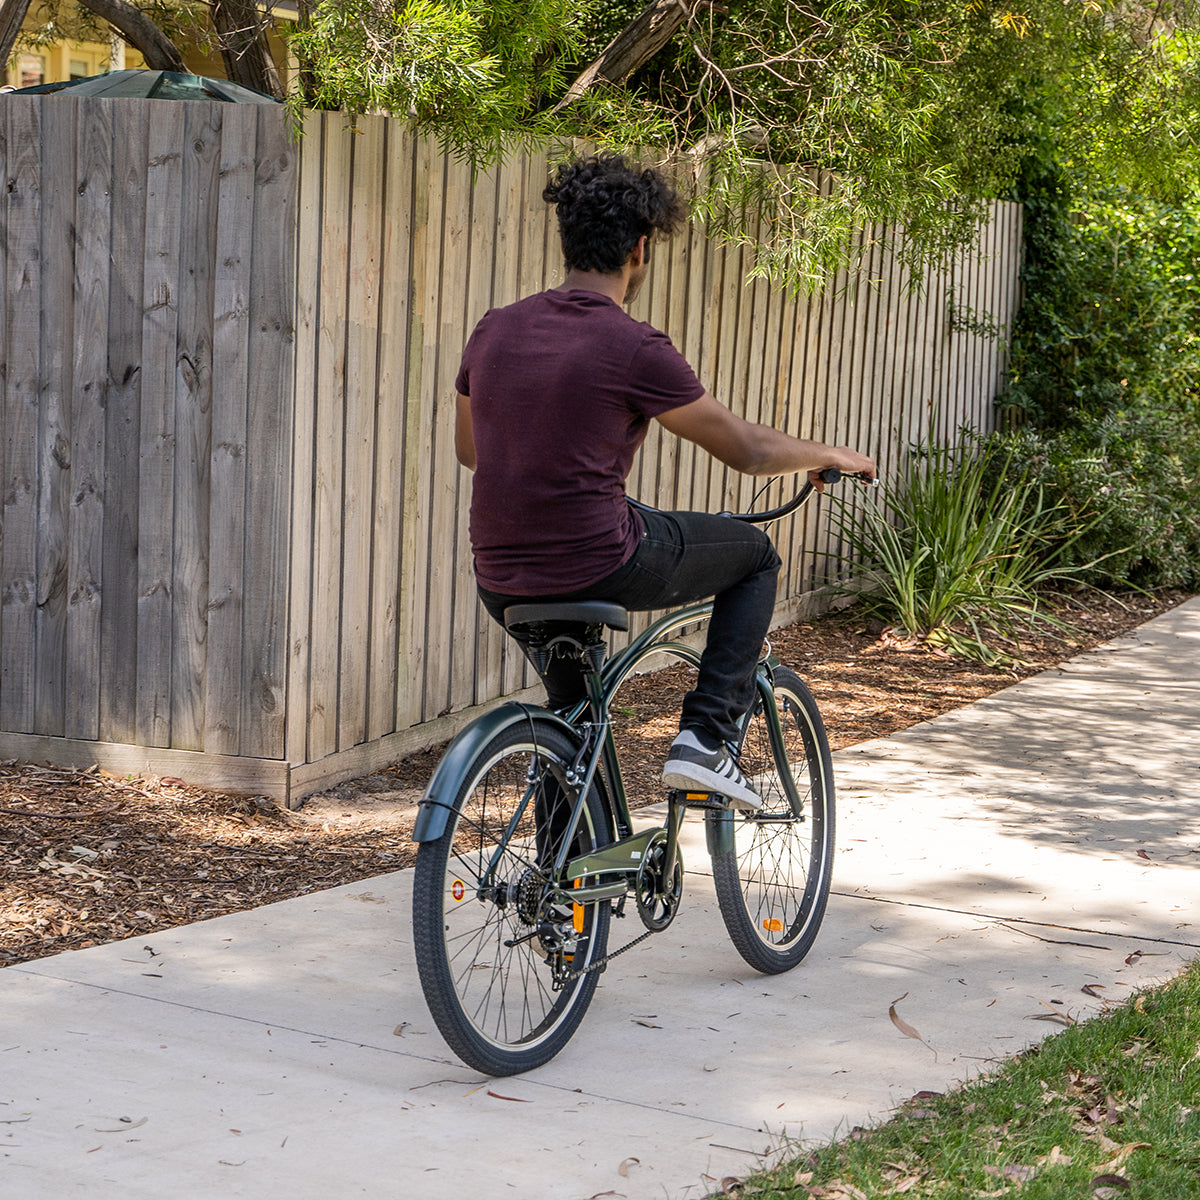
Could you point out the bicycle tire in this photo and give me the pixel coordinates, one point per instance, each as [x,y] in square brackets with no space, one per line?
[483,932]
[772,868]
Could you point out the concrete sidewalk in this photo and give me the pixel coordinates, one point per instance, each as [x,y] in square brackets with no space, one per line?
[991,863]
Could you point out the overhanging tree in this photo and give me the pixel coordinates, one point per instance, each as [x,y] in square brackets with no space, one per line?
[796,122]
[917,110]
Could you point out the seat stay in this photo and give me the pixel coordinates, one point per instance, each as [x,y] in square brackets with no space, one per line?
[594,740]
[503,842]
[649,642]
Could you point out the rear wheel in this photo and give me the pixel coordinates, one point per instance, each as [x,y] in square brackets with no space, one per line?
[498,950]
[772,867]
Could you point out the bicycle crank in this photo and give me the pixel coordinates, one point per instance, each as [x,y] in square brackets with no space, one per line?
[658,897]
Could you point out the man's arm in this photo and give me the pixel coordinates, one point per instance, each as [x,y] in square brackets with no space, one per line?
[757,449]
[464,434]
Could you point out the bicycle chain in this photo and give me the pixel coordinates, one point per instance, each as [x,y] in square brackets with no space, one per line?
[600,964]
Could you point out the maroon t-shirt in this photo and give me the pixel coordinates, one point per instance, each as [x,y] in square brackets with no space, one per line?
[563,386]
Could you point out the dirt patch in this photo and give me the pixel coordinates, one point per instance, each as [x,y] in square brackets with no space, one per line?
[87,858]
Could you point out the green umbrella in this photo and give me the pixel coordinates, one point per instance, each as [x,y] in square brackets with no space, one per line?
[154,85]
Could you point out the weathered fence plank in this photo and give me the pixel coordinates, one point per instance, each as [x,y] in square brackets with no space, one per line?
[329,450]
[193,426]
[54,415]
[269,482]
[18,478]
[162,284]
[429,186]
[395,299]
[358,484]
[470,635]
[89,398]
[304,406]
[231,397]
[447,325]
[119,647]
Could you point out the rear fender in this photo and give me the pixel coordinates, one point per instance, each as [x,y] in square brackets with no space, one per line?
[438,801]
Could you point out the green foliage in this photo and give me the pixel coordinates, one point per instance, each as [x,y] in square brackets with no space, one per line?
[1134,480]
[955,553]
[915,110]
[476,74]
[1105,370]
[808,129]
[1111,319]
[54,21]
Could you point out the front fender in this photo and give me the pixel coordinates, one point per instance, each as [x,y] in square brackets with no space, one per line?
[438,801]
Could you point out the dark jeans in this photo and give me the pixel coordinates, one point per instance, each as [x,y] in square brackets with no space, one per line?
[683,558]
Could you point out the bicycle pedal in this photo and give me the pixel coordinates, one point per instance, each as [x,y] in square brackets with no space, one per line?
[705,800]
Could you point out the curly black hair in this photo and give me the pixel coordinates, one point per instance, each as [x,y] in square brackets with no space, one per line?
[606,203]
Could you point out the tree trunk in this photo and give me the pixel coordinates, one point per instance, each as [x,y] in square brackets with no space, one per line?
[12,15]
[140,32]
[636,44]
[243,38]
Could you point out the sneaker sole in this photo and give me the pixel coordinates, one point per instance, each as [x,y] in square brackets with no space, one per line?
[700,779]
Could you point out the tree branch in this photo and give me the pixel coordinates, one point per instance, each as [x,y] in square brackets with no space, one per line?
[140,32]
[636,44]
[242,35]
[12,15]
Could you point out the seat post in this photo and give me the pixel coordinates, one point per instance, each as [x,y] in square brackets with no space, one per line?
[592,655]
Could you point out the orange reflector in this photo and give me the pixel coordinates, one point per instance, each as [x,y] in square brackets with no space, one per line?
[577,911]
[773,925]
[698,795]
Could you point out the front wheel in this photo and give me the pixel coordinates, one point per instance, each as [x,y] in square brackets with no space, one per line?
[500,955]
[772,867]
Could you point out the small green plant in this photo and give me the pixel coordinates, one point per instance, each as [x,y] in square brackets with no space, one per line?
[954,554]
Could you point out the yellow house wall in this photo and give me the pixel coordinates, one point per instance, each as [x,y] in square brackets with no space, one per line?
[64,60]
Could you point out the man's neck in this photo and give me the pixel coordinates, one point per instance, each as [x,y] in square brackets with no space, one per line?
[613,286]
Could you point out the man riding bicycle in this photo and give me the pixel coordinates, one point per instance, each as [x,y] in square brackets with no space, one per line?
[555,395]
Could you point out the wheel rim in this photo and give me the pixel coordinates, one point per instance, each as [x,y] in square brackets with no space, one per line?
[504,944]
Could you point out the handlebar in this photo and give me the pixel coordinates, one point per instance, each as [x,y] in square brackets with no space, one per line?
[829,475]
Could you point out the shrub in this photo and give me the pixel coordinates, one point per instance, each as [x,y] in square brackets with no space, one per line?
[1111,317]
[956,551]
[1133,481]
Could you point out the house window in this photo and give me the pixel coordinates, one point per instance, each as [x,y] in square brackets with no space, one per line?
[33,70]
[79,69]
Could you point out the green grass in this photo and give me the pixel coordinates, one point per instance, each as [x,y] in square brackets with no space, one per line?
[1108,1108]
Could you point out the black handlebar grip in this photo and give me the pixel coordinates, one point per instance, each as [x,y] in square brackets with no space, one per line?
[830,475]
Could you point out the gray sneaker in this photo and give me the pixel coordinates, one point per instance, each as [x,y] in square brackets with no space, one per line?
[691,767]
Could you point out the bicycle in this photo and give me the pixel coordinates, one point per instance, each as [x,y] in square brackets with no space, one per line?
[527,851]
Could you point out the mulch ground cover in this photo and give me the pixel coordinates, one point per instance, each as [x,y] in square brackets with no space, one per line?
[87,858]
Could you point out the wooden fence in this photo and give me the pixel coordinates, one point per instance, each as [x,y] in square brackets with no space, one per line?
[233,541]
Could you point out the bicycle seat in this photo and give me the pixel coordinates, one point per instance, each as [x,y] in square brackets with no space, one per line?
[586,612]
